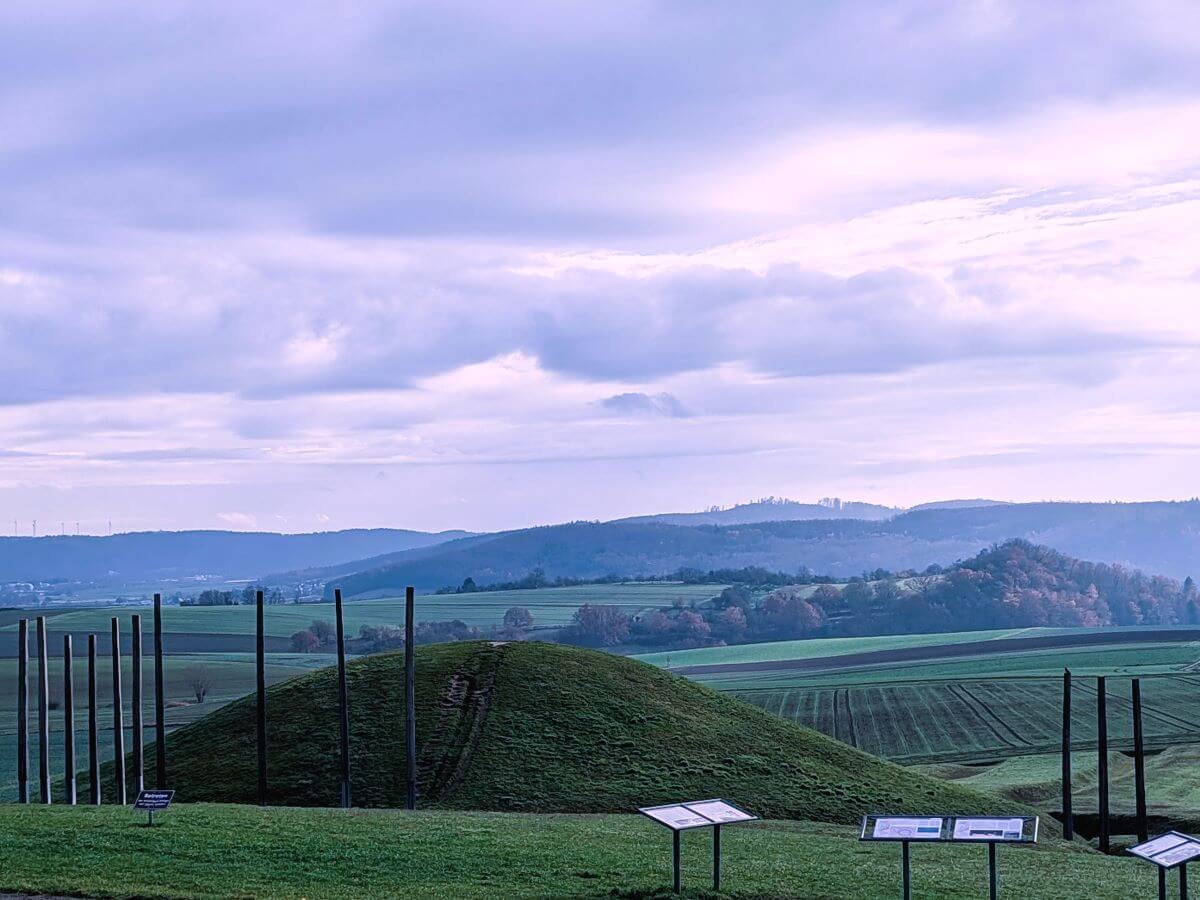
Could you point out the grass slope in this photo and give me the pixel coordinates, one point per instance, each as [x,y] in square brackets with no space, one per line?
[543,728]
[213,851]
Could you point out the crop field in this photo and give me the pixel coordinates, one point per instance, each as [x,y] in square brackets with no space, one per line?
[971,708]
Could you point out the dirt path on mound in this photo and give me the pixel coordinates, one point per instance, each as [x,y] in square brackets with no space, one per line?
[947,651]
[462,713]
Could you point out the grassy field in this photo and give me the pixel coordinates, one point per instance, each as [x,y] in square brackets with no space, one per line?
[567,730]
[205,851]
[550,606]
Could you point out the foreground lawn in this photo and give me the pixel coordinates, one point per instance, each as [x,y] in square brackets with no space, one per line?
[238,851]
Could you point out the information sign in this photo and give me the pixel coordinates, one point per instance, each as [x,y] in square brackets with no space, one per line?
[902,828]
[680,817]
[1168,850]
[1011,830]
[152,801]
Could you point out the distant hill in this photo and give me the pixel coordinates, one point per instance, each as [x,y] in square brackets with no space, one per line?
[150,555]
[772,510]
[535,727]
[1162,538]
[957,504]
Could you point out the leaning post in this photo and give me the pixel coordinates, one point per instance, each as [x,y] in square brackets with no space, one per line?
[135,651]
[1139,763]
[410,701]
[43,712]
[261,705]
[118,715]
[68,722]
[23,711]
[160,703]
[1068,819]
[93,728]
[343,699]
[1102,762]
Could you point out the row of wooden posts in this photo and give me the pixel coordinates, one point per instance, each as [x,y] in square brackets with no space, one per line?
[118,724]
[1139,762]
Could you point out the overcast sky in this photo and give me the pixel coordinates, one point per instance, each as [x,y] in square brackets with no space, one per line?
[306,266]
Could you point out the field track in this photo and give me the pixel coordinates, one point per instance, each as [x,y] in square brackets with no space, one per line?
[947,651]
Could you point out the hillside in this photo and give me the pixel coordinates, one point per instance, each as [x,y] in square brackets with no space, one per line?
[541,728]
[772,510]
[1156,537]
[149,555]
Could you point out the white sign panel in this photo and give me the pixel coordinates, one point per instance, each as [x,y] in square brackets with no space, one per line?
[1168,850]
[988,829]
[907,828]
[720,812]
[677,816]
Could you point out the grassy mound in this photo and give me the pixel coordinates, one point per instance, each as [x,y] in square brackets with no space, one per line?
[537,727]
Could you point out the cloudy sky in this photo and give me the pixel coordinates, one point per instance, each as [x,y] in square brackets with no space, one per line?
[482,265]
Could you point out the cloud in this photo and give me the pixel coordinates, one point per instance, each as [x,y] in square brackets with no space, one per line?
[636,403]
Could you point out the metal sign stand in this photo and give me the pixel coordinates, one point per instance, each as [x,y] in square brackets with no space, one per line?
[1172,850]
[681,817]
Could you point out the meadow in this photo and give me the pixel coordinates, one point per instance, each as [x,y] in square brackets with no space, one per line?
[215,851]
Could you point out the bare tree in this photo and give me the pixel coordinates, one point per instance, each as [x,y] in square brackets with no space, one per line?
[201,681]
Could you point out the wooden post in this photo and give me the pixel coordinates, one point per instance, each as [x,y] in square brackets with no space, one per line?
[43,712]
[93,728]
[717,858]
[118,715]
[343,699]
[410,701]
[135,651]
[160,702]
[68,721]
[23,711]
[261,706]
[1068,819]
[675,862]
[1102,762]
[1139,764]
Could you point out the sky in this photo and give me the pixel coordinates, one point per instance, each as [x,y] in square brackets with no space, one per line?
[299,267]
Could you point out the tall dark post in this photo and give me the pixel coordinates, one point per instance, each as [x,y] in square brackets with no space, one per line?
[1183,888]
[43,712]
[1068,819]
[93,728]
[1102,762]
[118,715]
[261,709]
[135,674]
[410,701]
[993,877]
[343,699]
[717,858]
[905,872]
[160,702]
[1139,764]
[68,721]
[23,711]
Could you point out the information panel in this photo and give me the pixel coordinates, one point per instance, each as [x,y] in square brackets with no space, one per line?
[902,828]
[153,800]
[697,814]
[987,829]
[1168,850]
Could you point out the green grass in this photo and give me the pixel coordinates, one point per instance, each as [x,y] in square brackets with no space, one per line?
[560,730]
[550,606]
[205,851]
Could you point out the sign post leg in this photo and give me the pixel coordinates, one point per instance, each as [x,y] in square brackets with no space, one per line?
[149,818]
[1183,891]
[1162,883]
[675,860]
[716,857]
[905,871]
[993,880]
